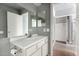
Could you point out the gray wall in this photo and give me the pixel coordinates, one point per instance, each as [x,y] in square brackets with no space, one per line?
[4,43]
[38,30]
[3,19]
[77,31]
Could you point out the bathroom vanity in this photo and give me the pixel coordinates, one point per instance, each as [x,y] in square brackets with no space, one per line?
[33,46]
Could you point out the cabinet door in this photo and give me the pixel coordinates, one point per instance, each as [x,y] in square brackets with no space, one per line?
[45,49]
[37,53]
[31,50]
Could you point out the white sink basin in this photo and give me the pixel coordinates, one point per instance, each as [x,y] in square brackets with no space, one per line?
[26,42]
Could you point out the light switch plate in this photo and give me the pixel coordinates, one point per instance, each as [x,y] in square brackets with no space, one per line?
[47,29]
[1,32]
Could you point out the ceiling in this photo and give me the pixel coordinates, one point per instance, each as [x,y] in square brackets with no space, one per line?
[61,6]
[24,6]
[37,4]
[62,9]
[17,6]
[13,5]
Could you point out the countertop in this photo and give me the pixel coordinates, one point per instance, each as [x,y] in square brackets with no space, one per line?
[27,42]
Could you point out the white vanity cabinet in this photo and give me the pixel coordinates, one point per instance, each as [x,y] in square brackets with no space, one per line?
[39,49]
[31,50]
[45,49]
[36,48]
[37,53]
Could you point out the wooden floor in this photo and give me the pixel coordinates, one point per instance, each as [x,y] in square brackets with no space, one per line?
[62,53]
[60,49]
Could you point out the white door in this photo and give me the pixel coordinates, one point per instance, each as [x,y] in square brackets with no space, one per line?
[60,31]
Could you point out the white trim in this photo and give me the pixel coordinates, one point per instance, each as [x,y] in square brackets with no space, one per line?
[63,16]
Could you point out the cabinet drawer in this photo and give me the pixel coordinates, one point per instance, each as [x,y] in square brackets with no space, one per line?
[31,50]
[40,43]
[37,53]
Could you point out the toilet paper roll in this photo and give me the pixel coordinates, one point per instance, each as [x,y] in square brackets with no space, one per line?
[13,51]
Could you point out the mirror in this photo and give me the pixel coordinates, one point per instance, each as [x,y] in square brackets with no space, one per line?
[17,24]
[38,22]
[41,18]
[33,20]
